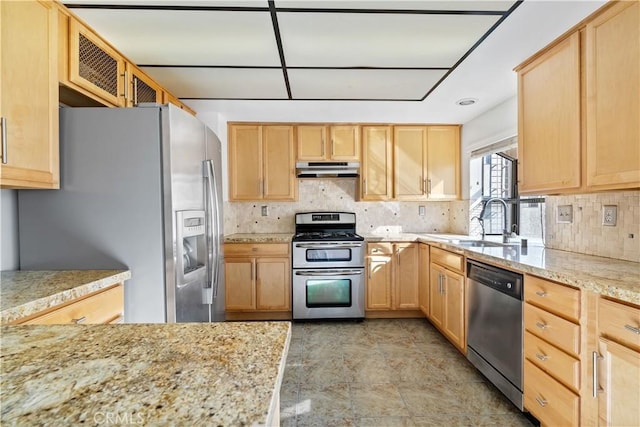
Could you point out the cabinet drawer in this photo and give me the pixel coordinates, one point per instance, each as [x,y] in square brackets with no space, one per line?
[379,248]
[551,328]
[255,249]
[102,307]
[447,259]
[557,363]
[619,322]
[559,299]
[548,400]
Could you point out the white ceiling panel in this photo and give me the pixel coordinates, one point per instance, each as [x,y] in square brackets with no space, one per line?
[178,37]
[239,83]
[362,84]
[398,5]
[379,40]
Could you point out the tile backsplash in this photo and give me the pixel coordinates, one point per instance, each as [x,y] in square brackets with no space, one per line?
[339,195]
[586,234]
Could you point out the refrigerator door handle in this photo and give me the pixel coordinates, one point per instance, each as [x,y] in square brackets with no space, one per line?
[214,215]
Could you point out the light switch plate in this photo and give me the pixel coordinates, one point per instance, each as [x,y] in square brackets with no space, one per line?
[264,210]
[421,210]
[609,215]
[565,214]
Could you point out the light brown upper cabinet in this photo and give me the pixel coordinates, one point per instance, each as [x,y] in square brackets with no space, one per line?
[168,98]
[140,87]
[426,162]
[376,166]
[95,66]
[28,95]
[261,162]
[613,98]
[549,120]
[328,142]
[579,107]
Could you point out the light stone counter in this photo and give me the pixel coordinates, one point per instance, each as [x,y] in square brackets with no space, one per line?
[606,276]
[218,374]
[258,238]
[23,293]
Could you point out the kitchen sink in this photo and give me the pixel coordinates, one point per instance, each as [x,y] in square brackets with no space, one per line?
[477,243]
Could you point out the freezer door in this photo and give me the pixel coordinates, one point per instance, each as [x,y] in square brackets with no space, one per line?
[183,153]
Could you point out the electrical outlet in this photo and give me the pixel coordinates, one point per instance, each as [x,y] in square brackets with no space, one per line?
[265,211]
[565,214]
[609,215]
[421,210]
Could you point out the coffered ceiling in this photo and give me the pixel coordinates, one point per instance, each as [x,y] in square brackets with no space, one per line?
[296,50]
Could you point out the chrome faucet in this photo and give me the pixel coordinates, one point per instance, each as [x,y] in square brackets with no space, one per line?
[505,233]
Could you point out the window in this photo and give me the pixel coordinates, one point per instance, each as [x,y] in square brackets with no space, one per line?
[494,175]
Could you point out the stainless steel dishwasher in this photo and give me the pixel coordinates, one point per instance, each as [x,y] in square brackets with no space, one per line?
[494,339]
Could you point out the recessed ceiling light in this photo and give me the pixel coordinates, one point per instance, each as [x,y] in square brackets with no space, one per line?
[466,101]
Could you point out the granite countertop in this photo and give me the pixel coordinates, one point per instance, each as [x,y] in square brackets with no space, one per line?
[145,374]
[258,238]
[23,293]
[606,276]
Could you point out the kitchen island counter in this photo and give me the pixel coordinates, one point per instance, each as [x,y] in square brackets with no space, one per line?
[23,293]
[145,374]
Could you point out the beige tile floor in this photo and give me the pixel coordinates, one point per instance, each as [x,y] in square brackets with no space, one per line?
[385,373]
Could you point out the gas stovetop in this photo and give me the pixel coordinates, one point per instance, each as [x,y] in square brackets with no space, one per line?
[327,235]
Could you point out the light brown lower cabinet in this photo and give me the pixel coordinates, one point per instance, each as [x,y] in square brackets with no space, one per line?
[104,306]
[257,277]
[447,310]
[392,276]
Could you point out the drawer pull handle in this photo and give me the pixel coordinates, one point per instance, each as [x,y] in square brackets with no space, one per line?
[542,326]
[632,329]
[80,320]
[542,357]
[541,401]
[541,294]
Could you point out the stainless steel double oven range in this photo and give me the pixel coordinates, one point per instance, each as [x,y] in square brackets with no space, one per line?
[328,267]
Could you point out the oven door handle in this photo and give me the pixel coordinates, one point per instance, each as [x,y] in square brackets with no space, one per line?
[332,273]
[327,245]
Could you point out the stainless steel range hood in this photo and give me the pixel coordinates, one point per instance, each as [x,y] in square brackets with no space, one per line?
[327,169]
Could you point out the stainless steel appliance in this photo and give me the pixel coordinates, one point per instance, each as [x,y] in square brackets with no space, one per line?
[328,267]
[495,331]
[140,189]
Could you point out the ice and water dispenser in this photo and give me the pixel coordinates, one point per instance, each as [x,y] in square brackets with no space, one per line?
[191,245]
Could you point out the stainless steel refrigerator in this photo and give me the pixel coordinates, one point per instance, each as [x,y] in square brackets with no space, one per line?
[140,189]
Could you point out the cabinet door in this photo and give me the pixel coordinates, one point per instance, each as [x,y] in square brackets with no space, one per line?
[549,120]
[273,284]
[29,95]
[141,88]
[96,66]
[406,276]
[409,162]
[279,163]
[375,170]
[378,282]
[311,142]
[344,143]
[454,309]
[613,103]
[245,162]
[436,283]
[443,162]
[423,268]
[619,381]
[240,285]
